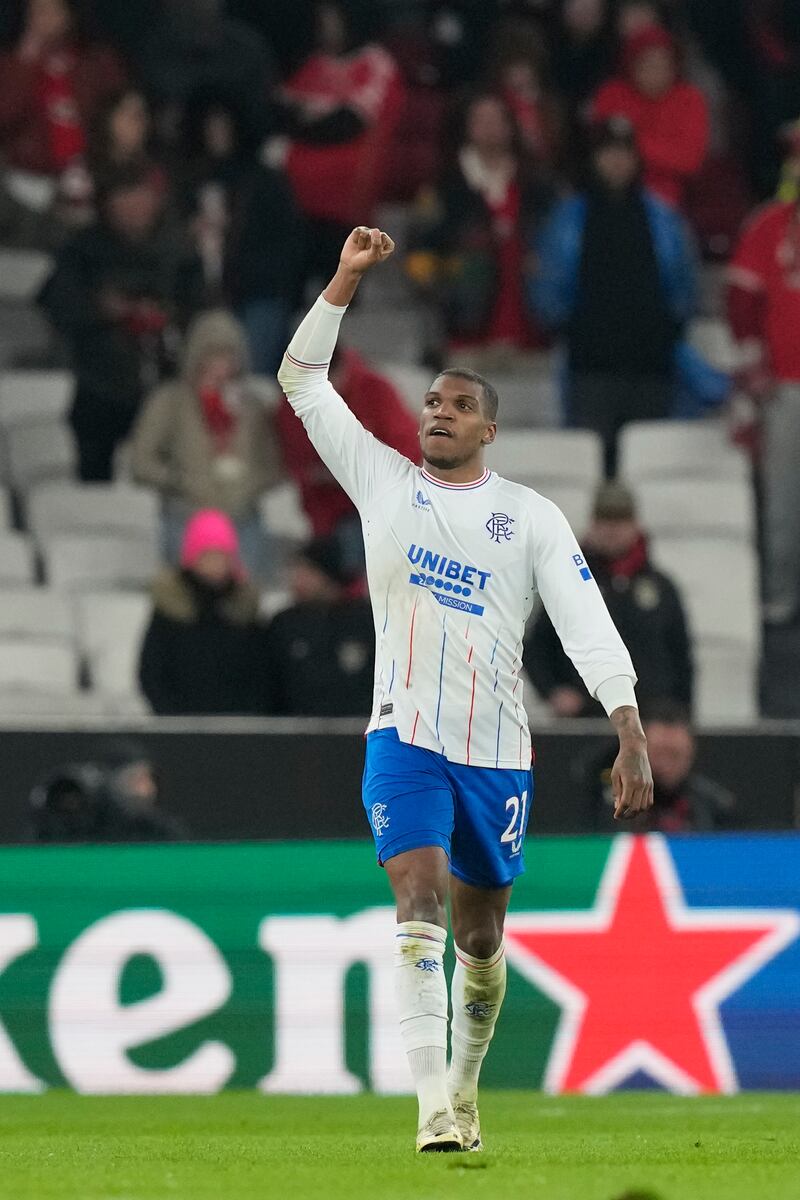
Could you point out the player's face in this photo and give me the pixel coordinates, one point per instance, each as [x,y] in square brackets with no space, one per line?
[453,428]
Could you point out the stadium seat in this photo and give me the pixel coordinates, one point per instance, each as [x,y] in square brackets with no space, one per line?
[92,562]
[672,449]
[712,337]
[574,501]
[111,626]
[38,452]
[22,273]
[23,702]
[697,507]
[62,507]
[32,664]
[528,399]
[719,584]
[17,566]
[537,457]
[6,512]
[410,380]
[370,332]
[726,683]
[34,397]
[36,613]
[283,515]
[273,601]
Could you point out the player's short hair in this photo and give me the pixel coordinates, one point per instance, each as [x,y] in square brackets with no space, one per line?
[490,398]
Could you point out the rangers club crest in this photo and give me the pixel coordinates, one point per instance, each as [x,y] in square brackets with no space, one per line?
[499,527]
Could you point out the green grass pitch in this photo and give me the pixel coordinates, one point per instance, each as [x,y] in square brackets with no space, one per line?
[243,1146]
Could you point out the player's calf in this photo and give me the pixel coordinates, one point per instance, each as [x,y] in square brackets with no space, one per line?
[478,988]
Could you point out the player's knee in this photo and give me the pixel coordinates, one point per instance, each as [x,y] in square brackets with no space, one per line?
[421,903]
[479,941]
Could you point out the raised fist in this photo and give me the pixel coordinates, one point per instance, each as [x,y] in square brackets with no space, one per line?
[364,248]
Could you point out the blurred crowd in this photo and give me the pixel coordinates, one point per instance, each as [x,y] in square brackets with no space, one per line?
[566,168]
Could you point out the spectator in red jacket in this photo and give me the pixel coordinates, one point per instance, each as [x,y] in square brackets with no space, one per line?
[669,116]
[380,407]
[342,108]
[51,84]
[764,314]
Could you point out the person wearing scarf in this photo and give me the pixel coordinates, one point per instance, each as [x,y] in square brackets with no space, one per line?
[644,604]
[206,440]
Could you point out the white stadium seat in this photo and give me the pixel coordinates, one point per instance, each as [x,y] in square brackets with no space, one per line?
[38,452]
[36,613]
[726,683]
[111,627]
[6,517]
[671,449]
[16,560]
[719,584]
[24,702]
[537,457]
[34,397]
[272,601]
[721,508]
[32,664]
[22,273]
[63,507]
[283,515]
[574,501]
[90,562]
[411,381]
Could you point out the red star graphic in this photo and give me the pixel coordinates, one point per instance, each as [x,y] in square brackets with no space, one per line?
[640,976]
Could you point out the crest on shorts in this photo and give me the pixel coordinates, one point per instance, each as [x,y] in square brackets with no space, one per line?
[380,821]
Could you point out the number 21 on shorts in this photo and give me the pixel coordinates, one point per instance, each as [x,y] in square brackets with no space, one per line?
[516,826]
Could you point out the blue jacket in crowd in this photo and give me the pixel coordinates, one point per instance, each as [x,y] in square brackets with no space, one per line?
[553,288]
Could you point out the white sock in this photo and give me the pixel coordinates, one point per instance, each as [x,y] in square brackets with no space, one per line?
[478,988]
[422,1003]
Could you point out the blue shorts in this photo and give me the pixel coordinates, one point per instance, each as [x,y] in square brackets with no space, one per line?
[478,815]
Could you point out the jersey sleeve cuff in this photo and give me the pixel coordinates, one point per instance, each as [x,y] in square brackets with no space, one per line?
[326,306]
[615,692]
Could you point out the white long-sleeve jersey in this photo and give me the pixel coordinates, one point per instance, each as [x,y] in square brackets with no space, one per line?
[453,570]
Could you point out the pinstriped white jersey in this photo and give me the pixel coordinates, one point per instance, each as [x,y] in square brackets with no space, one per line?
[453,570]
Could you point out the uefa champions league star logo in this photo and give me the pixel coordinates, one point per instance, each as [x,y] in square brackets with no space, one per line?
[426,964]
[379,819]
[499,526]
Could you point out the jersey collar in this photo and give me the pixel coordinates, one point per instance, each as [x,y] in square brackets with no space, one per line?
[457,487]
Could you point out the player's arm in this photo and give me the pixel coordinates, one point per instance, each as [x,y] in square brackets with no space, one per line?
[590,638]
[359,462]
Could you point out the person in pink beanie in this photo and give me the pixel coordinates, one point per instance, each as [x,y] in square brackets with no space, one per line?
[203,651]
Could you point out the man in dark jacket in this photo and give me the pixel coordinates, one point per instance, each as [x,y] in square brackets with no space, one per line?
[644,604]
[684,801]
[614,273]
[321,651]
[119,293]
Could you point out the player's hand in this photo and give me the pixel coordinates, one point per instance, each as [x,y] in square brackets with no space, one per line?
[631,781]
[364,248]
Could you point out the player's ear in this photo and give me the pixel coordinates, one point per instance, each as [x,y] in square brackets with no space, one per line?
[489,435]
